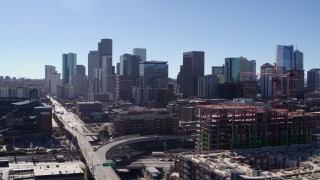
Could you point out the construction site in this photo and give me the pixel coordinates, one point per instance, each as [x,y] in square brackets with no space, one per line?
[299,162]
[234,126]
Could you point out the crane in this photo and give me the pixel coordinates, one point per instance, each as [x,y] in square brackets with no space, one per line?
[275,77]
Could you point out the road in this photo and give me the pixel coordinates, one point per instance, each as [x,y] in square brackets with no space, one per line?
[76,127]
[95,159]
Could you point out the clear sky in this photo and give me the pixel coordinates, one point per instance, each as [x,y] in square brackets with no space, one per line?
[36,32]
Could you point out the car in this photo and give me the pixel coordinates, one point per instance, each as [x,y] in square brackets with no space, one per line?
[162,160]
[170,159]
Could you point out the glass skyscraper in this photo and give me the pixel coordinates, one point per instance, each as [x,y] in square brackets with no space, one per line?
[69,66]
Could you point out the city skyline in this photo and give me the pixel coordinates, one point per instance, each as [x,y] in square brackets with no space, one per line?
[36,33]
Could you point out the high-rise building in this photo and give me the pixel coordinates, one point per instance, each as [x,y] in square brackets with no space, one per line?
[313,80]
[193,68]
[104,49]
[129,66]
[141,53]
[154,74]
[81,70]
[208,86]
[48,71]
[285,58]
[105,64]
[93,63]
[233,67]
[52,78]
[217,70]
[54,81]
[290,61]
[266,81]
[81,83]
[69,66]
[298,60]
[108,76]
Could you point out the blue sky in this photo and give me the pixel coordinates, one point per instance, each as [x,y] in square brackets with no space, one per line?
[36,32]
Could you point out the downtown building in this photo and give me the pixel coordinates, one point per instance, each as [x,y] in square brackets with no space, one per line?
[192,70]
[266,81]
[153,85]
[290,68]
[237,84]
[145,122]
[313,80]
[69,66]
[234,126]
[105,64]
[52,78]
[141,53]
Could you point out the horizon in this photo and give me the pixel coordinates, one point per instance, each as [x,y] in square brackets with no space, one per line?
[37,33]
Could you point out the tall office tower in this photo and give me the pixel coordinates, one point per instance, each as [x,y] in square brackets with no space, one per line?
[285,58]
[298,60]
[217,70]
[48,71]
[124,64]
[193,68]
[93,63]
[266,81]
[129,66]
[233,67]
[52,79]
[108,76]
[140,52]
[81,70]
[154,74]
[104,49]
[118,69]
[208,86]
[69,66]
[81,83]
[290,61]
[313,80]
[105,64]
[54,82]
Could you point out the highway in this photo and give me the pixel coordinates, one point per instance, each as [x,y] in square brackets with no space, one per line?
[75,126]
[95,159]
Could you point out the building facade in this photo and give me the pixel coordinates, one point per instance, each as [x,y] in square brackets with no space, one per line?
[145,122]
[192,69]
[266,81]
[69,66]
[234,66]
[208,86]
[154,74]
[141,53]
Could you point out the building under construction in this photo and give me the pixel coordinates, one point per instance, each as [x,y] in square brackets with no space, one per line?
[230,126]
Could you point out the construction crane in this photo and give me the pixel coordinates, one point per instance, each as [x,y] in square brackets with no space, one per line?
[275,77]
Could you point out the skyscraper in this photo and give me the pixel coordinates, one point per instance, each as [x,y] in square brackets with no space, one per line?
[140,52]
[266,81]
[193,68]
[290,61]
[129,66]
[104,49]
[81,70]
[52,79]
[233,67]
[93,63]
[313,80]
[105,63]
[48,71]
[217,70]
[154,74]
[69,66]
